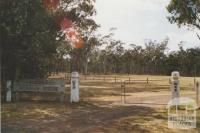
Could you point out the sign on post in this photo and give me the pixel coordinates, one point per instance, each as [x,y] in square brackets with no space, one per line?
[175,85]
[74,87]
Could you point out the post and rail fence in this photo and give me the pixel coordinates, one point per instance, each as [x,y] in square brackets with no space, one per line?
[124,81]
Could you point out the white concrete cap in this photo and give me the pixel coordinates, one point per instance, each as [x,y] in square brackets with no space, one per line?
[175,75]
[75,74]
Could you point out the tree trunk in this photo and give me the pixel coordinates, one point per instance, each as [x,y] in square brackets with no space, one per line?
[74,64]
[85,66]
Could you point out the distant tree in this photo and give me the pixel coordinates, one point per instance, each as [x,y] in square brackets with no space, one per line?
[192,61]
[154,54]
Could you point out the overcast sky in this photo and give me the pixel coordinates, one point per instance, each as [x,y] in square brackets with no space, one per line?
[137,20]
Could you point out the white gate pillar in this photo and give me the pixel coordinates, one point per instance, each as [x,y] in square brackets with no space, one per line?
[8,91]
[175,85]
[74,87]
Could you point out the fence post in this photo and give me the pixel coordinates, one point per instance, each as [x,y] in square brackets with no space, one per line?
[129,80]
[123,91]
[8,91]
[170,81]
[197,87]
[104,78]
[147,80]
[115,79]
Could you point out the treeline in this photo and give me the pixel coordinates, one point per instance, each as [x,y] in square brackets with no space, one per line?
[154,58]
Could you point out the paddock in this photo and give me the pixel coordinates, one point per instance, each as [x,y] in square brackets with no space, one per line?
[103,106]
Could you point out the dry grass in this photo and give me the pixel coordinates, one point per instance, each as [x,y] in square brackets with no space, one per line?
[101,108]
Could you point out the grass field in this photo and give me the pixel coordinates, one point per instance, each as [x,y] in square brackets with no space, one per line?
[102,107]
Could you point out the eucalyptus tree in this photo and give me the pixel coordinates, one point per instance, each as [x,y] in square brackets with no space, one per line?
[185,12]
[31,37]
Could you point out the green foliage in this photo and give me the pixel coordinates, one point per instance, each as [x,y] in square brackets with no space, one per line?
[28,38]
[32,44]
[185,12]
[29,32]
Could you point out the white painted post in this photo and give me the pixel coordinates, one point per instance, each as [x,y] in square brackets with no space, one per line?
[8,91]
[197,86]
[74,87]
[175,85]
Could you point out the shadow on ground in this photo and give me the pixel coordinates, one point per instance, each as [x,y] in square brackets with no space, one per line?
[84,117]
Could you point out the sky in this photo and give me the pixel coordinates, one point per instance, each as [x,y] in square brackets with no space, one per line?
[140,20]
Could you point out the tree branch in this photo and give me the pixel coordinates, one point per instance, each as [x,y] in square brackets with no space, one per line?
[198,36]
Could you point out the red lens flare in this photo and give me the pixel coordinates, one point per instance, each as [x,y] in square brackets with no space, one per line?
[71,34]
[79,43]
[65,24]
[76,40]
